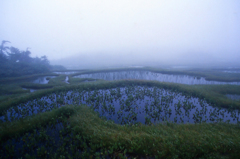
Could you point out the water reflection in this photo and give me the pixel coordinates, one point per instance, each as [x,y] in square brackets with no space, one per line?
[43,80]
[147,75]
[130,105]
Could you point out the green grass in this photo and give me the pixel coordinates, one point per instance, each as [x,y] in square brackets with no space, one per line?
[80,80]
[24,78]
[16,128]
[212,94]
[166,140]
[12,87]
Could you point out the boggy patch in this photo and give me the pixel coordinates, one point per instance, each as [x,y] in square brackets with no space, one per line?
[130,105]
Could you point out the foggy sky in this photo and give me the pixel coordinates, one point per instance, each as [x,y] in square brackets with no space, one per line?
[143,30]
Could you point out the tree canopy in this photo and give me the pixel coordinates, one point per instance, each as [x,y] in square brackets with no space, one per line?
[15,62]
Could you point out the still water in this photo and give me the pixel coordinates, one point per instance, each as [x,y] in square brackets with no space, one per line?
[147,75]
[43,80]
[130,105]
[65,73]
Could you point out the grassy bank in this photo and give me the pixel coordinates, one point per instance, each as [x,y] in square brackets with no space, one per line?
[11,87]
[24,78]
[86,135]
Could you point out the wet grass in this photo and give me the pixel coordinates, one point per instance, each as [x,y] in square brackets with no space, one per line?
[81,80]
[23,78]
[86,135]
[129,105]
[213,97]
[13,87]
[163,140]
[16,128]
[10,86]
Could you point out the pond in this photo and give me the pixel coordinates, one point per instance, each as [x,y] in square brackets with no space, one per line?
[130,105]
[147,75]
[43,80]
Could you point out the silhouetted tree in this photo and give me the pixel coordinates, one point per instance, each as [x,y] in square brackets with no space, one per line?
[14,62]
[45,60]
[14,55]
[3,51]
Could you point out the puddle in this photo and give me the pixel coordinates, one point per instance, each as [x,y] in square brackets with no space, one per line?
[147,75]
[43,80]
[130,105]
[233,96]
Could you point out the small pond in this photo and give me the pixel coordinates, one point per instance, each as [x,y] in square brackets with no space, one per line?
[43,80]
[147,75]
[130,105]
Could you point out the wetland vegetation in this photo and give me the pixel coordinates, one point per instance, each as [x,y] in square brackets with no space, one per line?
[147,75]
[149,79]
[130,118]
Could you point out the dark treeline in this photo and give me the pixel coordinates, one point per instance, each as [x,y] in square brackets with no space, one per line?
[14,62]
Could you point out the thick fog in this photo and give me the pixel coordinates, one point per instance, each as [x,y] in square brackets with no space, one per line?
[113,33]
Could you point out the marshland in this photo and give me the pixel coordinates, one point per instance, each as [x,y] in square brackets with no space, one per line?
[99,118]
[120,79]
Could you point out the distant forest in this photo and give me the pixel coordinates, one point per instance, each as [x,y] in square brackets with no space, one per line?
[14,62]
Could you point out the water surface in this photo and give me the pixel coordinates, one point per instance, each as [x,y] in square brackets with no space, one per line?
[147,75]
[43,80]
[66,73]
[130,105]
